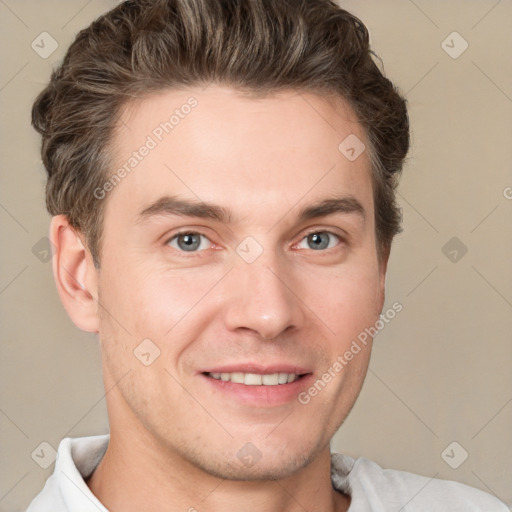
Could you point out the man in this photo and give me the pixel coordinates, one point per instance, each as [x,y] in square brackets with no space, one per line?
[221,180]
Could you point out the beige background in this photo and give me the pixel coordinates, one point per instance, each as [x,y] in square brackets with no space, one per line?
[440,371]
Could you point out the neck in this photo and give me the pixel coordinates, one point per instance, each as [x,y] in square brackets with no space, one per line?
[138,475]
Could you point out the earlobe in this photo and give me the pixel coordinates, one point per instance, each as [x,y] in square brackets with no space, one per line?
[75,275]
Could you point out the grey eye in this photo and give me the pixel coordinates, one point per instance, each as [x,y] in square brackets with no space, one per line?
[188,242]
[320,240]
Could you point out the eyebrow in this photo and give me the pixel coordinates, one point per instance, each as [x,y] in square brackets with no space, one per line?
[172,205]
[347,205]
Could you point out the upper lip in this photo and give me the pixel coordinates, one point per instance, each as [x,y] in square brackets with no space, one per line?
[267,369]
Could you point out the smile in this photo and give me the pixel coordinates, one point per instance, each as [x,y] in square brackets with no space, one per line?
[255,379]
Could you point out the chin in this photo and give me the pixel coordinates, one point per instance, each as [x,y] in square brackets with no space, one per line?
[251,465]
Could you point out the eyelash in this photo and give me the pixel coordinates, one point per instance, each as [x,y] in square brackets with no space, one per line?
[192,254]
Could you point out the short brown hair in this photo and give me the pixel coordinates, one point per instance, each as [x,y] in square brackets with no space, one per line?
[263,46]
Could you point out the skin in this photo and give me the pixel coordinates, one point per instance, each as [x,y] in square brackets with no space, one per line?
[264,160]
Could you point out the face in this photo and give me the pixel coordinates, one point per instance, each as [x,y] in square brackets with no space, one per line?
[238,264]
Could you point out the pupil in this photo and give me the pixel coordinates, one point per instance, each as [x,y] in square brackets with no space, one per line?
[189,242]
[317,241]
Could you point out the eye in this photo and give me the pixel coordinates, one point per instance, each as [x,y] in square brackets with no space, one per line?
[319,240]
[189,242]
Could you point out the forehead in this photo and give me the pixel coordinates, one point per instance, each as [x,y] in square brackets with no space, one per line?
[219,145]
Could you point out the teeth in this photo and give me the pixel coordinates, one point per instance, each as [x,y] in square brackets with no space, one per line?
[237,377]
[252,379]
[270,380]
[256,379]
[282,378]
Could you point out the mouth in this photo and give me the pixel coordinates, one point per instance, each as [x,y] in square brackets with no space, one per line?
[256,379]
[258,386]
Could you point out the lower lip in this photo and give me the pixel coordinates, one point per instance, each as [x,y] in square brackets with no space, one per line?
[261,396]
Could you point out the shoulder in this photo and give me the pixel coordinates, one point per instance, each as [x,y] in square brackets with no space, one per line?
[374,488]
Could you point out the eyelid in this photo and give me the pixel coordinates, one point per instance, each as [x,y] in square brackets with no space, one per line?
[331,230]
[189,230]
[338,232]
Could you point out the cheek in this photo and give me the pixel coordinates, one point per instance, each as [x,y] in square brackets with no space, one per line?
[346,302]
[158,302]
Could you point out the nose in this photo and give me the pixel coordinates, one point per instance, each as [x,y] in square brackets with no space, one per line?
[262,299]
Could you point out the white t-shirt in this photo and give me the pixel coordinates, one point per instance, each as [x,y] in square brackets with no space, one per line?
[371,488]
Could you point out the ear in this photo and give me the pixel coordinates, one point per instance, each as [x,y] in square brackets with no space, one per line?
[75,275]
